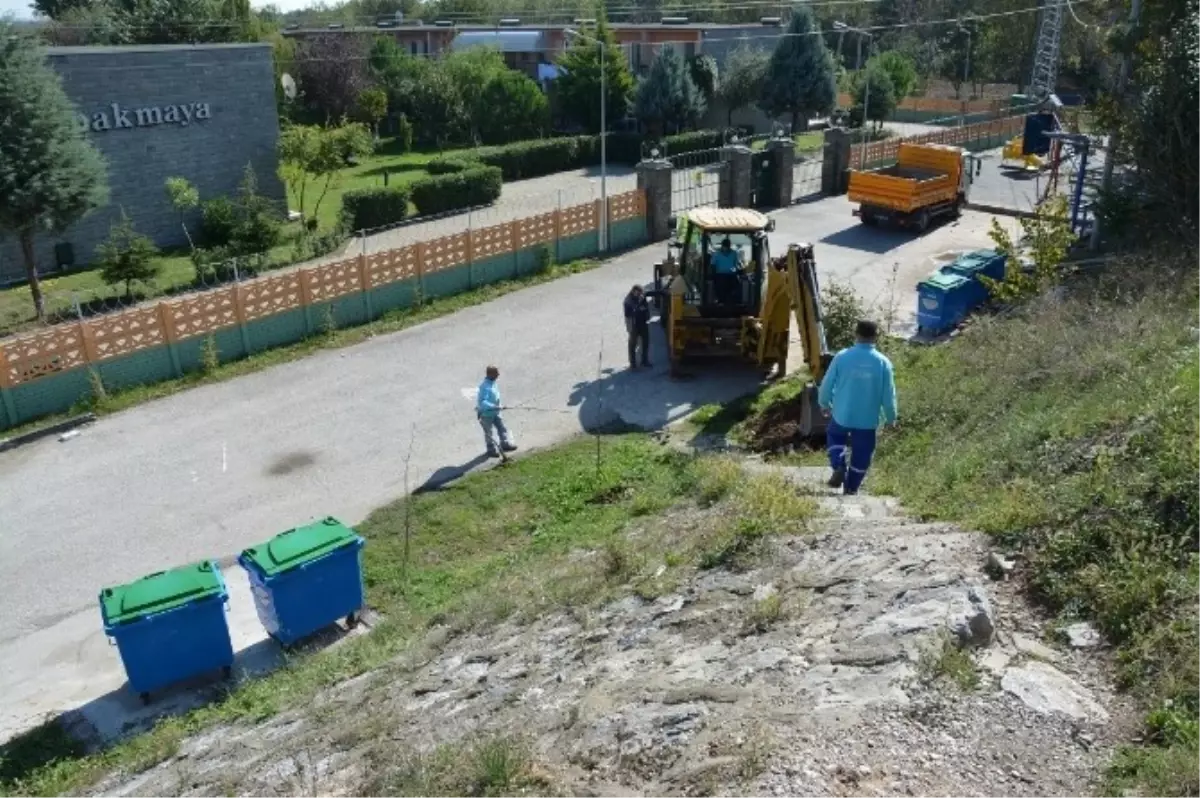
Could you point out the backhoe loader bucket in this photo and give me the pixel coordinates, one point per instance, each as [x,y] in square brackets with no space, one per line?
[812,421]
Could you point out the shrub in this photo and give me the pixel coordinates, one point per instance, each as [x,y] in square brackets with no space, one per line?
[475,186]
[366,208]
[450,164]
[218,220]
[257,231]
[524,159]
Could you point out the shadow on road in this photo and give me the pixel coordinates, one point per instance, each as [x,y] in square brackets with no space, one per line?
[876,240]
[622,400]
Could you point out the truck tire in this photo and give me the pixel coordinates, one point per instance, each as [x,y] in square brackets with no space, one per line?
[868,218]
[921,222]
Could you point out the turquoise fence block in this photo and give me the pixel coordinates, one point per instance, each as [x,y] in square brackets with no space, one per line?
[527,259]
[144,367]
[394,296]
[281,329]
[447,282]
[493,270]
[229,347]
[348,311]
[53,394]
[627,233]
[577,247]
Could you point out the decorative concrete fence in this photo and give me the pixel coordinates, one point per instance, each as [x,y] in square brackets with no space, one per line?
[979,136]
[51,370]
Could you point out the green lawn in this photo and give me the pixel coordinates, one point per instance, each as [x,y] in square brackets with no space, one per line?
[396,168]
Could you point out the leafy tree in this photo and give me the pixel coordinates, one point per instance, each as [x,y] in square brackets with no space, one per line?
[579,84]
[800,76]
[703,69]
[875,84]
[518,109]
[332,71]
[438,114]
[373,107]
[127,257]
[98,23]
[471,71]
[184,197]
[315,156]
[1047,237]
[743,77]
[257,225]
[951,62]
[50,175]
[900,69]
[667,97]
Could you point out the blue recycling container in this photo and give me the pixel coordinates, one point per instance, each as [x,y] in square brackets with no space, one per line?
[986,262]
[169,626]
[941,302]
[306,579]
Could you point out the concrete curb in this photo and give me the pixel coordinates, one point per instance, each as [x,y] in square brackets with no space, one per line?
[44,432]
[1000,210]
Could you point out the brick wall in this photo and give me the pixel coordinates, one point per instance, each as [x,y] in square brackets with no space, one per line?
[229,92]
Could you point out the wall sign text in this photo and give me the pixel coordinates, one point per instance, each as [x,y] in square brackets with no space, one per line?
[118,116]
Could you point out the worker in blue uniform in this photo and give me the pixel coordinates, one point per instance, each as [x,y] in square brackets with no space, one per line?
[725,268]
[487,410]
[857,389]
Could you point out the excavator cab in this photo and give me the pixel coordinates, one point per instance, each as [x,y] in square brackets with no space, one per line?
[712,310]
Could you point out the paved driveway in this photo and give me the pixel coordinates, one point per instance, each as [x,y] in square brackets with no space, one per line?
[209,471]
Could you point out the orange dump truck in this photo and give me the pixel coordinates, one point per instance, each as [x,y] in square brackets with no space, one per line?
[927,181]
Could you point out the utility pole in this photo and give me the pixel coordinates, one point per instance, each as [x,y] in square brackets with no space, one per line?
[1114,139]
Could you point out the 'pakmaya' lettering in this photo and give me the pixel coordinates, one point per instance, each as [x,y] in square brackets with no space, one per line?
[117,116]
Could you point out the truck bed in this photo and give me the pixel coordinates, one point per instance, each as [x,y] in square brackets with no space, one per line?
[924,176]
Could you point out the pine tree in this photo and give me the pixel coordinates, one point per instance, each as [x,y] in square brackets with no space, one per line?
[50,175]
[800,76]
[668,97]
[579,84]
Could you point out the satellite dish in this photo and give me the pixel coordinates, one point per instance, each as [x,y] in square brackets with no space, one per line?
[289,86]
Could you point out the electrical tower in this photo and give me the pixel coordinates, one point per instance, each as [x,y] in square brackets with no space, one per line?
[1045,55]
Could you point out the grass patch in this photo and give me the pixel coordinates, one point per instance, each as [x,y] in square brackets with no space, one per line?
[760,506]
[950,662]
[1068,431]
[506,542]
[764,614]
[737,419]
[329,337]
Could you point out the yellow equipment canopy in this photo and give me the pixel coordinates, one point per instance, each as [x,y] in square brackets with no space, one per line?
[734,220]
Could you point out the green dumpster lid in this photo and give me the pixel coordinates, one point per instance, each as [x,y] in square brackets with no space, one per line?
[944,281]
[160,592]
[297,546]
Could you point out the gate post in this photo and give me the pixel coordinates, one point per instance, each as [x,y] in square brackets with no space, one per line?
[654,179]
[783,159]
[835,161]
[736,172]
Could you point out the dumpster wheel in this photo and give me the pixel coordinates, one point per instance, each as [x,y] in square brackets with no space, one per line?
[226,671]
[145,699]
[352,620]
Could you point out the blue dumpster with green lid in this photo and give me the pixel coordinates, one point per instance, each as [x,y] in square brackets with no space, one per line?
[985,262]
[306,579]
[170,626]
[942,302]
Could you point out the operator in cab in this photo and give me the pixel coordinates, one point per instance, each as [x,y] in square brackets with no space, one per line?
[726,263]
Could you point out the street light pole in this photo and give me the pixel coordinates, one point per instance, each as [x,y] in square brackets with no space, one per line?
[603,134]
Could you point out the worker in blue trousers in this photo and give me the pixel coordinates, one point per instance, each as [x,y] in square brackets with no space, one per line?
[487,410]
[858,388]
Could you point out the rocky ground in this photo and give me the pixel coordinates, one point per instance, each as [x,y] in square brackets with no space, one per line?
[874,656]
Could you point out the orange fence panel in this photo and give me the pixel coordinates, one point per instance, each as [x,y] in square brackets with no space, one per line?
[491,242]
[394,265]
[446,252]
[202,314]
[332,280]
[266,296]
[579,219]
[122,333]
[535,230]
[42,353]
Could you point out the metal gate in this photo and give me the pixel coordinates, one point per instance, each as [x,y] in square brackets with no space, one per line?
[806,178]
[696,179]
[762,180]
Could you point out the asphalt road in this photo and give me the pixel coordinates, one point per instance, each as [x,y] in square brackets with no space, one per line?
[212,470]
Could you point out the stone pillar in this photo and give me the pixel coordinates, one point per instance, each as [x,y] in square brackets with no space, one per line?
[735,177]
[835,178]
[783,159]
[654,178]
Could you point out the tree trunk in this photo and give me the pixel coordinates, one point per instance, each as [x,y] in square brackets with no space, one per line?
[35,285]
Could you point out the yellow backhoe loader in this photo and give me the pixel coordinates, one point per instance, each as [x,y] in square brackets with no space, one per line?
[722,295]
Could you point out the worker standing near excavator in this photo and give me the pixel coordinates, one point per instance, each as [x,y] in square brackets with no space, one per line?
[857,389]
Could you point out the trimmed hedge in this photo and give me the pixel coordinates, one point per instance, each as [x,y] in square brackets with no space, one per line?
[525,159]
[451,164]
[365,208]
[476,185]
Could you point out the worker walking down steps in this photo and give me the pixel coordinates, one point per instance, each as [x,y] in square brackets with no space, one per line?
[487,410]
[857,388]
